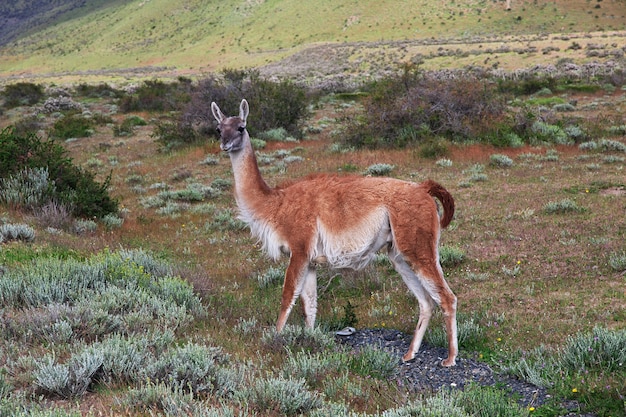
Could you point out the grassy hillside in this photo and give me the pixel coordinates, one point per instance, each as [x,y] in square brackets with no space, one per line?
[195,36]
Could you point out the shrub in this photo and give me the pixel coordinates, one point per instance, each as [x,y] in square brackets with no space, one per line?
[299,338]
[155,95]
[501,161]
[192,367]
[97,91]
[173,135]
[450,256]
[564,206]
[127,127]
[374,362]
[70,380]
[27,189]
[10,231]
[378,170]
[287,396]
[72,126]
[24,157]
[273,104]
[270,277]
[22,94]
[414,106]
[617,261]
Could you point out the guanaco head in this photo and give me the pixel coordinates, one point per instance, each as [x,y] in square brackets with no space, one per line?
[232,130]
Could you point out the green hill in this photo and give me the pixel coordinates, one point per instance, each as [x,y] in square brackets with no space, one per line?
[195,36]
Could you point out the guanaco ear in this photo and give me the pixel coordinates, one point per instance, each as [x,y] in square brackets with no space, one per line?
[244,110]
[217,113]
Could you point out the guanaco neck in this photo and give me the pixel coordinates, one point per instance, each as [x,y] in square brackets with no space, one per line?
[250,187]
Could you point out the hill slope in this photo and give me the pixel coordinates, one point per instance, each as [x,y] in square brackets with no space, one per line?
[196,35]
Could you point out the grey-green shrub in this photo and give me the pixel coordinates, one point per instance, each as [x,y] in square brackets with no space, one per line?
[84,226]
[563,206]
[450,255]
[67,380]
[374,362]
[289,397]
[603,349]
[617,261]
[272,276]
[609,145]
[312,367]
[16,231]
[298,338]
[501,161]
[378,170]
[29,188]
[193,367]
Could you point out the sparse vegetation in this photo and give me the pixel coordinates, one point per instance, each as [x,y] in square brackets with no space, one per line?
[188,327]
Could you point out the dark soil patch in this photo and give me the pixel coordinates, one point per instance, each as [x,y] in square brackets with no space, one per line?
[425,373]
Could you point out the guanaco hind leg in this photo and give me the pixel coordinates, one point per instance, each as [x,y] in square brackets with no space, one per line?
[429,288]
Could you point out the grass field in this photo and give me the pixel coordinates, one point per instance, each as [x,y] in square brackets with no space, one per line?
[166,39]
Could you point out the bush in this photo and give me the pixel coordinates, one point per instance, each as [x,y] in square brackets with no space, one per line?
[379,170]
[22,94]
[97,91]
[415,106]
[154,95]
[289,396]
[273,105]
[23,156]
[18,231]
[127,127]
[501,161]
[564,206]
[72,126]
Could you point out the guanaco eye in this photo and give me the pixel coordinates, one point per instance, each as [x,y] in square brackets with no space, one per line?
[241,129]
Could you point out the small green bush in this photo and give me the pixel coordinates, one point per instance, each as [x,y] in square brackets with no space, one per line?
[22,94]
[174,135]
[68,184]
[374,362]
[157,96]
[450,256]
[72,126]
[127,127]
